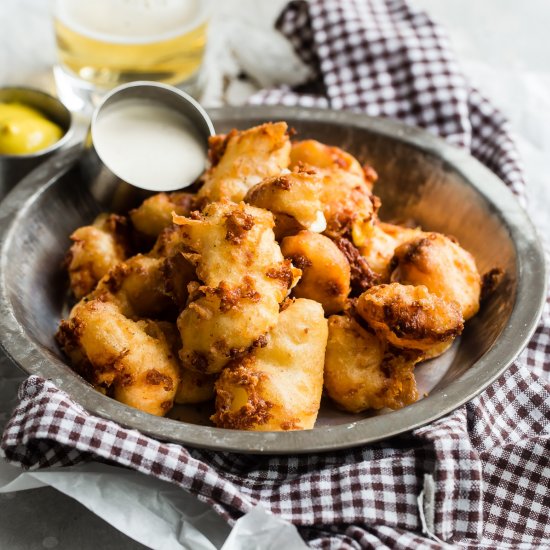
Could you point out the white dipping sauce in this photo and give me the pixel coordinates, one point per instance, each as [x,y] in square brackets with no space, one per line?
[149,145]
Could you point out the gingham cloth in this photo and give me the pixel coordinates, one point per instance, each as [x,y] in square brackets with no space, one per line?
[478,478]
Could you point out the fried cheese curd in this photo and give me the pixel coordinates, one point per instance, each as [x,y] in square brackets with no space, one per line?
[139,287]
[240,160]
[153,285]
[443,267]
[155,213]
[410,317]
[348,204]
[325,270]
[95,250]
[378,245]
[275,387]
[244,276]
[194,387]
[118,355]
[228,298]
[362,372]
[294,200]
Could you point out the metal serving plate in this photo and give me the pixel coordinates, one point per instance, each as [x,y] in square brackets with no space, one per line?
[421,177]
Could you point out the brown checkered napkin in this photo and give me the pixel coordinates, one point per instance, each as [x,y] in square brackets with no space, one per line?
[388,59]
[482,473]
[478,478]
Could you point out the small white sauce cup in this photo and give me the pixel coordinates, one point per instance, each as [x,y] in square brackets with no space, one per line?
[110,191]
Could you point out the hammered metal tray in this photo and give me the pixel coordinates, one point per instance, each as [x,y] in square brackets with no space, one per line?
[421,177]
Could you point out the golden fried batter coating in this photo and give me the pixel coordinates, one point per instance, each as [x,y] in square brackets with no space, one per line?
[246,278]
[193,387]
[139,287]
[152,285]
[445,268]
[155,213]
[231,240]
[348,204]
[294,195]
[224,324]
[314,153]
[279,386]
[95,250]
[169,243]
[410,316]
[174,270]
[379,243]
[325,269]
[361,374]
[120,355]
[243,159]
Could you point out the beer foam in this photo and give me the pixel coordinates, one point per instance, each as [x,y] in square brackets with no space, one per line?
[132,21]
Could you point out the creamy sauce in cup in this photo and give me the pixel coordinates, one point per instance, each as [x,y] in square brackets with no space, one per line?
[149,145]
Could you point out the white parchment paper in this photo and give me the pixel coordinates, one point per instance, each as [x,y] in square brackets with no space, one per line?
[156,514]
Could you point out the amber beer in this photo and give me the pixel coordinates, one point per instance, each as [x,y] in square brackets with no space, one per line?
[110,42]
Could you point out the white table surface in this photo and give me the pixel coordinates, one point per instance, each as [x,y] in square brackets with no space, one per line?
[501,44]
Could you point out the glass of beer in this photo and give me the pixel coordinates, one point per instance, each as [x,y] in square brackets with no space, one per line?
[104,43]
